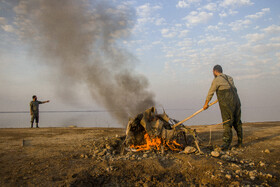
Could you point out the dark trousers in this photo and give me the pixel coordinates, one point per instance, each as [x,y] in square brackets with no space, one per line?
[230,107]
[36,118]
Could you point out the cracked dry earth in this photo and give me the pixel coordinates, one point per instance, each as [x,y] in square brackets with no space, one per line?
[91,157]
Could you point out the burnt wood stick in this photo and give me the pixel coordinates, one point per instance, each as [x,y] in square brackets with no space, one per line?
[197,146]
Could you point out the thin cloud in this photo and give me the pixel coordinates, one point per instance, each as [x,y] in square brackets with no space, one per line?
[145,13]
[230,12]
[213,28]
[256,37]
[235,3]
[223,14]
[273,29]
[183,33]
[210,7]
[266,48]
[167,33]
[258,14]
[211,39]
[160,21]
[187,3]
[275,39]
[2,20]
[8,28]
[198,17]
[240,24]
[182,4]
[156,43]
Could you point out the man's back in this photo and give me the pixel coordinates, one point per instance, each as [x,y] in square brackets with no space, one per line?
[223,81]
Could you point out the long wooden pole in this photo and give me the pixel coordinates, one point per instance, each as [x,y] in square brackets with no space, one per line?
[179,123]
[224,122]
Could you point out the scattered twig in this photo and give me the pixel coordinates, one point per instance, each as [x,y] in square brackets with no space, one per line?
[190,164]
[210,137]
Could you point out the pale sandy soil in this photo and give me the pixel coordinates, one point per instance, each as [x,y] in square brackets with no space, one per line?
[69,157]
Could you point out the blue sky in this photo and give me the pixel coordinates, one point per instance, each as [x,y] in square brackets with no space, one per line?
[176,44]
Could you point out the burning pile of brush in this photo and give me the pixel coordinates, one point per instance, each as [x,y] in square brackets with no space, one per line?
[152,131]
[157,143]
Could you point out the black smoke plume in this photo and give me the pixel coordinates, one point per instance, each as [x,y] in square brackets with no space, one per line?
[80,40]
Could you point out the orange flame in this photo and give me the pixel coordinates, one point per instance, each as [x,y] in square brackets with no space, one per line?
[156,143]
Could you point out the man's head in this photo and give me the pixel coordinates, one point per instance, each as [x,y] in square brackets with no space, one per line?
[217,70]
[34,97]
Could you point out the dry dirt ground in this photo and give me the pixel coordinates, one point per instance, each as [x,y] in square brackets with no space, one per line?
[91,157]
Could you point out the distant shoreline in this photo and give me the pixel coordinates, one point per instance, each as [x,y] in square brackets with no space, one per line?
[79,127]
[53,111]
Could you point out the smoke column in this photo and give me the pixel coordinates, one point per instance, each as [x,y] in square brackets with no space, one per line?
[79,40]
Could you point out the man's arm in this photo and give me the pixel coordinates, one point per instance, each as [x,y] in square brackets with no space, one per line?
[42,102]
[31,113]
[210,94]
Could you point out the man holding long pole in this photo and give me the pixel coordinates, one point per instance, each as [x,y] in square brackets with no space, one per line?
[229,103]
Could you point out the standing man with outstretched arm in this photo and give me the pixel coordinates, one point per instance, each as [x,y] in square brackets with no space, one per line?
[34,110]
[229,103]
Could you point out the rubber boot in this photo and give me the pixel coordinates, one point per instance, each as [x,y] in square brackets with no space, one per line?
[239,144]
[37,126]
[225,147]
